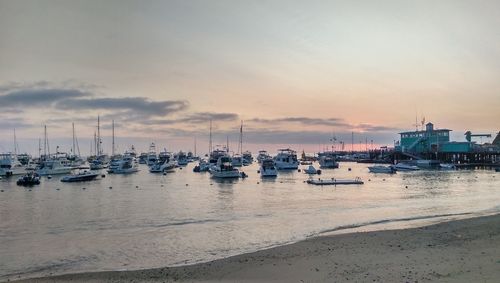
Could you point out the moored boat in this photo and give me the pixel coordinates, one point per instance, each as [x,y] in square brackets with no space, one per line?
[224,169]
[267,168]
[29,179]
[405,167]
[311,170]
[80,177]
[286,159]
[382,169]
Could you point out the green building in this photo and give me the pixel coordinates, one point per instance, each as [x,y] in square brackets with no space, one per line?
[428,140]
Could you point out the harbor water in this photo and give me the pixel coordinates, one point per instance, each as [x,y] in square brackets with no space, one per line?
[145,220]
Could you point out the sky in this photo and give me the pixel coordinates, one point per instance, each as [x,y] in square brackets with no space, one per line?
[297,73]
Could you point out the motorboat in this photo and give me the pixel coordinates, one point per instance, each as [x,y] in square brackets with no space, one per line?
[128,164]
[162,167]
[327,160]
[224,168]
[247,158]
[262,156]
[203,166]
[405,167]
[80,176]
[143,158]
[10,165]
[267,168]
[311,170]
[215,155]
[182,159]
[286,159]
[53,166]
[237,160]
[151,158]
[381,169]
[447,166]
[29,179]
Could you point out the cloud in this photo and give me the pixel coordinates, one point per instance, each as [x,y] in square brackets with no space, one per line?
[81,98]
[29,98]
[304,120]
[129,105]
[195,118]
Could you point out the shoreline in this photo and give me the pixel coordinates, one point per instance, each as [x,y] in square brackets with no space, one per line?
[463,250]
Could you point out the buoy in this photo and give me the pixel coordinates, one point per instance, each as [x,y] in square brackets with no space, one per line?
[49,177]
[383,179]
[349,169]
[298,170]
[161,186]
[164,173]
[406,187]
[369,180]
[110,187]
[186,185]
[258,171]
[103,176]
[1,191]
[83,188]
[258,183]
[211,184]
[136,187]
[57,189]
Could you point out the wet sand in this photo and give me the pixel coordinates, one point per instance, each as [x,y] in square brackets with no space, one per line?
[457,251]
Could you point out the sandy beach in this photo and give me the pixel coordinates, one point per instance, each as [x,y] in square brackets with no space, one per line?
[457,251]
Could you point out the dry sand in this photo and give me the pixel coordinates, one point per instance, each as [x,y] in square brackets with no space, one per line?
[456,251]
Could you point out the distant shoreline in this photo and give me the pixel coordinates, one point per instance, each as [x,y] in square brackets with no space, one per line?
[465,250]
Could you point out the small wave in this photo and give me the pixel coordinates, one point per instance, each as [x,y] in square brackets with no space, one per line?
[385,221]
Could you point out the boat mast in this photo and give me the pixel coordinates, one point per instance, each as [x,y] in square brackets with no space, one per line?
[210,139]
[73,149]
[15,144]
[95,144]
[98,136]
[113,138]
[39,148]
[240,145]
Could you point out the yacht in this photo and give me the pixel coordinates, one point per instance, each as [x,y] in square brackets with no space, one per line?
[237,160]
[53,166]
[80,177]
[267,168]
[10,165]
[327,160]
[143,158]
[405,167]
[381,169]
[151,158]
[447,166]
[126,165]
[247,158]
[164,164]
[203,166]
[286,159]
[262,156]
[224,168]
[182,159]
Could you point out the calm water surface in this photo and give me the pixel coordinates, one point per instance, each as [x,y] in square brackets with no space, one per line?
[146,220]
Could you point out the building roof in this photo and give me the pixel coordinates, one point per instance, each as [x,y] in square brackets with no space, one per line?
[496,141]
[424,131]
